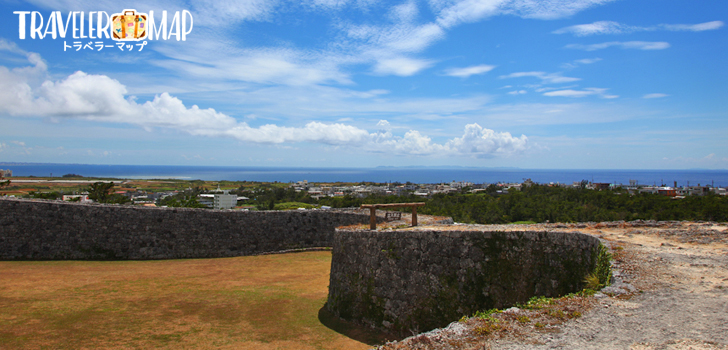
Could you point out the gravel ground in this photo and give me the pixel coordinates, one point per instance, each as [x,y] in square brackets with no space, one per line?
[670,292]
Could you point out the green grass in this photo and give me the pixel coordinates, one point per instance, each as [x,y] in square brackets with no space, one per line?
[263,302]
[527,222]
[293,206]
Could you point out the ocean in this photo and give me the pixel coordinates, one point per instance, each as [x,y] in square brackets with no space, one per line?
[717,178]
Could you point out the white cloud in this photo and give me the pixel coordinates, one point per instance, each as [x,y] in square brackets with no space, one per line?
[332,103]
[102,99]
[400,37]
[390,46]
[262,66]
[693,27]
[405,12]
[518,92]
[546,78]
[577,63]
[549,9]
[640,45]
[601,92]
[466,72]
[468,11]
[211,13]
[452,13]
[601,27]
[655,95]
[387,43]
[569,93]
[335,4]
[401,66]
[331,134]
[588,60]
[476,142]
[11,47]
[610,27]
[485,143]
[229,12]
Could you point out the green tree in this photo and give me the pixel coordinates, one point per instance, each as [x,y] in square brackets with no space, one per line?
[100,191]
[3,183]
[185,202]
[45,195]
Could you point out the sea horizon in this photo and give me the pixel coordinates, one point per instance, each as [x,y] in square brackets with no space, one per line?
[380,174]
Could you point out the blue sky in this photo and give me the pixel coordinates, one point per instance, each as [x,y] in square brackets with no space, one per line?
[600,84]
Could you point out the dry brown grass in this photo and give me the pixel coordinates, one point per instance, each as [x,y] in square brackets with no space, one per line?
[261,302]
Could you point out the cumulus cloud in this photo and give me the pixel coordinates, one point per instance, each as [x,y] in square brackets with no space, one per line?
[610,27]
[383,126]
[103,99]
[639,45]
[466,72]
[601,92]
[484,143]
[476,142]
[546,78]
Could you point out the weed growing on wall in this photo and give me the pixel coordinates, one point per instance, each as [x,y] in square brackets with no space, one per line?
[602,274]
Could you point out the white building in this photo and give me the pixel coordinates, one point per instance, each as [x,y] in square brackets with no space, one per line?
[83,198]
[223,200]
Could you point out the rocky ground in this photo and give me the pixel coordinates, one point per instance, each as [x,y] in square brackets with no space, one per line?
[670,291]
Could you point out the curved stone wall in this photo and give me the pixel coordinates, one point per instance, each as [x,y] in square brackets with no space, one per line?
[53,230]
[413,281]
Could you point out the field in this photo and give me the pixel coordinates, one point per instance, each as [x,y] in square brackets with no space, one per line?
[258,302]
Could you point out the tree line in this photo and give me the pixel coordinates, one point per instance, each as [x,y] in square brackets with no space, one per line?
[541,203]
[537,203]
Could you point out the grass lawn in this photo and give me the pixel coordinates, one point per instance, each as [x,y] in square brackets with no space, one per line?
[258,302]
[293,206]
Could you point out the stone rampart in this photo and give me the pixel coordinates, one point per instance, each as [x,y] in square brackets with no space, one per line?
[53,230]
[412,281]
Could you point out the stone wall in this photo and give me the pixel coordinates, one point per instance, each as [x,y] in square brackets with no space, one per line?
[53,230]
[412,281]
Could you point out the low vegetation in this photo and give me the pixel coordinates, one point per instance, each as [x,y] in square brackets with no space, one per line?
[541,312]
